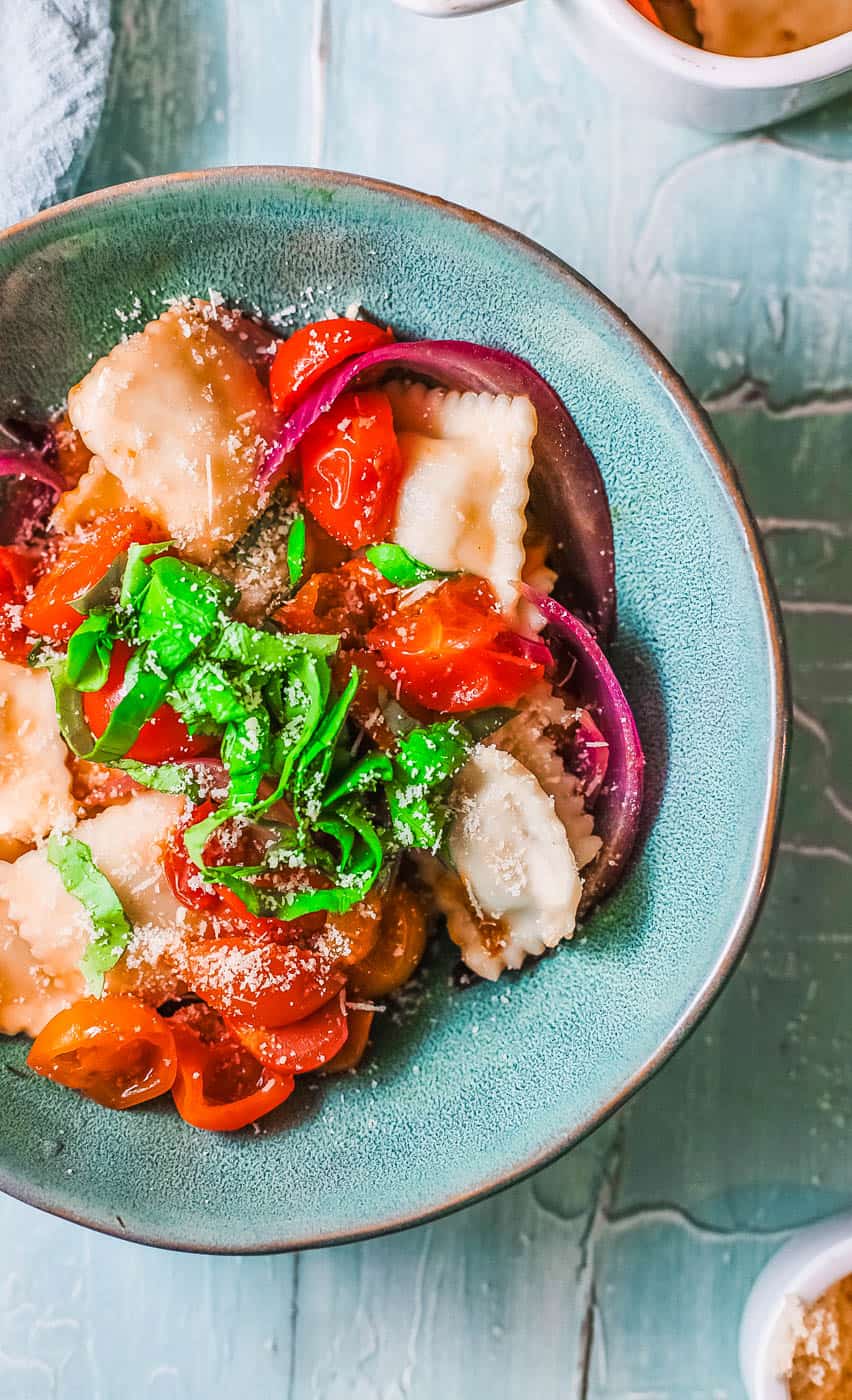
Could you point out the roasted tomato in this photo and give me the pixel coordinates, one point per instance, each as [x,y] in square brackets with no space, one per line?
[264,984]
[79,562]
[164,736]
[398,950]
[312,350]
[114,1049]
[348,600]
[17,571]
[220,1085]
[360,1021]
[301,1047]
[446,650]
[351,468]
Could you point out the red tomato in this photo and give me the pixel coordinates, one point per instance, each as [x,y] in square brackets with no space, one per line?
[80,561]
[359,1022]
[17,570]
[348,600]
[301,1047]
[220,1086]
[164,736]
[647,11]
[265,984]
[114,1049]
[228,910]
[444,650]
[351,468]
[313,350]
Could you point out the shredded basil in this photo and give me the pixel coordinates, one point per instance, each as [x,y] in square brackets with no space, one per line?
[400,567]
[82,879]
[89,652]
[296,541]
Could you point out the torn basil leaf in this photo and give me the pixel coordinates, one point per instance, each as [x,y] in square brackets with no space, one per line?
[401,568]
[111,929]
[296,545]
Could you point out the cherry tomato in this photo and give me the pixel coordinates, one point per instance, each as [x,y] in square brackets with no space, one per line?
[96,786]
[360,1022]
[351,468]
[313,350]
[300,1047]
[220,1085]
[227,847]
[444,651]
[17,570]
[114,1049]
[350,937]
[265,984]
[348,600]
[164,736]
[80,561]
[399,949]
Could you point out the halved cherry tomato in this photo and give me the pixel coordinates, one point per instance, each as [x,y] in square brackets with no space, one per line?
[80,561]
[229,847]
[114,1049]
[351,468]
[400,947]
[302,1046]
[17,570]
[220,1085]
[164,736]
[360,1022]
[265,984]
[313,350]
[444,650]
[348,600]
[350,937]
[95,786]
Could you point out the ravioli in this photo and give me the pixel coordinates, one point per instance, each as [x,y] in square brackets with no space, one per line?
[528,737]
[180,419]
[515,863]
[763,27]
[44,930]
[35,784]
[466,463]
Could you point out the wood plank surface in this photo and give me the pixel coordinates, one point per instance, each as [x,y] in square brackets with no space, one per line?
[620,1272]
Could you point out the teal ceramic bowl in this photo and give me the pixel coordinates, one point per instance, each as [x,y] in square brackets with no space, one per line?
[465,1090]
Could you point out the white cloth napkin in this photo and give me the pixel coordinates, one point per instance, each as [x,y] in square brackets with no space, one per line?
[54,63]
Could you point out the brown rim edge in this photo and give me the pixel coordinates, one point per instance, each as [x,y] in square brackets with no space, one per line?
[698,420]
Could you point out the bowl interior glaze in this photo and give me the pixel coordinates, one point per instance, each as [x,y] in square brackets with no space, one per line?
[465,1090]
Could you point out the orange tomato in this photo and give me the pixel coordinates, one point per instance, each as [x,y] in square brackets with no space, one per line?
[81,560]
[220,1086]
[352,1053]
[114,1049]
[398,950]
[263,984]
[301,1047]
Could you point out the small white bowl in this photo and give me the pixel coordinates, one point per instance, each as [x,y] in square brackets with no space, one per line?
[807,1265]
[684,84]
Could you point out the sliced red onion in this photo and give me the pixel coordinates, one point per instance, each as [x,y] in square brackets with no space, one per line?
[589,756]
[619,800]
[29,502]
[568,493]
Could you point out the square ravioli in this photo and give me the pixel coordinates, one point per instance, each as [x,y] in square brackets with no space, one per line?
[178,417]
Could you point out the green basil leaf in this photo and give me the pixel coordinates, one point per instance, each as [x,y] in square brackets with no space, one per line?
[247,647]
[424,766]
[247,754]
[182,605]
[296,543]
[435,753]
[82,879]
[314,764]
[105,593]
[89,652]
[145,693]
[401,568]
[137,573]
[202,692]
[179,778]
[368,773]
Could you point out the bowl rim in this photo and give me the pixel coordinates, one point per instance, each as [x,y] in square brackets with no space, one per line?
[723,72]
[780,715]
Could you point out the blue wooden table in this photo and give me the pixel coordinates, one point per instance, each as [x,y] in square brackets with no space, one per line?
[620,1272]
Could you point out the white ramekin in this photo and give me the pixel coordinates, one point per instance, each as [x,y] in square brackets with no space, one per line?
[807,1265]
[681,83]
